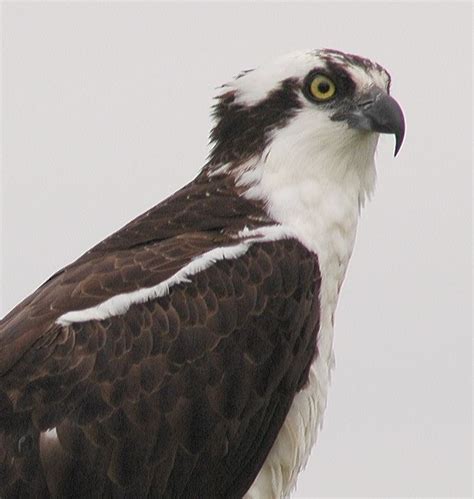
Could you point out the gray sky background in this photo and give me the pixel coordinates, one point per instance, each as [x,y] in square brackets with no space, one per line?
[106,112]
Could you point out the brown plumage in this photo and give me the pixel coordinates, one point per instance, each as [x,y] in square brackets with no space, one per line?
[181,396]
[188,355]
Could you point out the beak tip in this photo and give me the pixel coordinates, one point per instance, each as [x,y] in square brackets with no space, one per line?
[397,149]
[398,142]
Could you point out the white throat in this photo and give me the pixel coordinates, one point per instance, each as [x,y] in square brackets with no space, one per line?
[314,183]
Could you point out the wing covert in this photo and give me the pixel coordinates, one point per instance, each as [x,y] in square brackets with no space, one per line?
[180,395]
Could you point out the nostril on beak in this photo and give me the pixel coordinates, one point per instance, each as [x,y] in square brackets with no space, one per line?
[366,103]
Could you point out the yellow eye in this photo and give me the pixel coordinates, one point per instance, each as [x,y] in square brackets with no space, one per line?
[322,88]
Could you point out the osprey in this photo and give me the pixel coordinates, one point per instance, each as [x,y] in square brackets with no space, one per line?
[188,354]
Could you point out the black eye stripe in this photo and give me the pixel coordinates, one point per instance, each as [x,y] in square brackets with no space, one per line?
[342,78]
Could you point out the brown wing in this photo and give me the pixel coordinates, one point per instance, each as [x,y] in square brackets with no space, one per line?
[146,251]
[181,396]
[207,204]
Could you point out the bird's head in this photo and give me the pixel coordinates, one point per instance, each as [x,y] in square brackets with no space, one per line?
[311,109]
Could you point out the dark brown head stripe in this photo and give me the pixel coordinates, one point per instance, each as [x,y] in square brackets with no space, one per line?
[242,131]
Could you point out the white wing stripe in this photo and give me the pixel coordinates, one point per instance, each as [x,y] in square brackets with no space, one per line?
[119,304]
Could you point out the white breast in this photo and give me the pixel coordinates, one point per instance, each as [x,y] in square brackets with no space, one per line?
[320,205]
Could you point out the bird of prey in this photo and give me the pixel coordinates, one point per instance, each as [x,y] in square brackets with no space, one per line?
[188,354]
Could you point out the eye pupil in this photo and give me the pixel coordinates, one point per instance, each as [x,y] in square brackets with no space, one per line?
[324,87]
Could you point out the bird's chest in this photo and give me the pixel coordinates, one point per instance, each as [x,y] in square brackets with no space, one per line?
[291,450]
[326,225]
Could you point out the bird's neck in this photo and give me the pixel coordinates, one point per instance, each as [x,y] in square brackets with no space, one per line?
[315,192]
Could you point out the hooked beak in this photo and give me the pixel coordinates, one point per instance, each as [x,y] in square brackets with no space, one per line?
[375,111]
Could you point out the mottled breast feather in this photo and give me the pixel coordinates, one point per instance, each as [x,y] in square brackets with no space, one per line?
[180,396]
